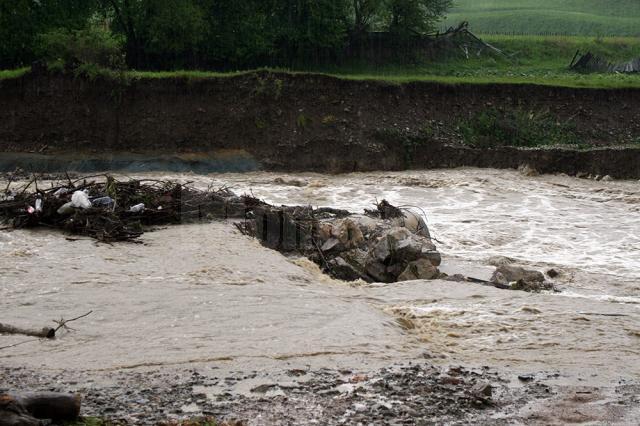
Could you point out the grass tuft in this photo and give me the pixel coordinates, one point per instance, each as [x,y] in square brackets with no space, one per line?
[519,128]
[17,73]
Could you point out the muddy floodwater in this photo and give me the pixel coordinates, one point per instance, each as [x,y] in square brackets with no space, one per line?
[204,293]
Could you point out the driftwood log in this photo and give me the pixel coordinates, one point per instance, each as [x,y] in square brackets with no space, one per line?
[29,408]
[44,333]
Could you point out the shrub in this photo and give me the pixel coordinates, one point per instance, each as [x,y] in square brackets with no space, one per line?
[93,45]
[491,128]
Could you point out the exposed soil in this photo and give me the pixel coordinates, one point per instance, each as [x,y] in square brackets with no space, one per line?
[311,122]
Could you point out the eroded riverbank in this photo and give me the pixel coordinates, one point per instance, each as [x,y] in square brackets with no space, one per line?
[300,123]
[203,297]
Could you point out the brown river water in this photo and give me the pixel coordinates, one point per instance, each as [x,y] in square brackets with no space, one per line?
[204,293]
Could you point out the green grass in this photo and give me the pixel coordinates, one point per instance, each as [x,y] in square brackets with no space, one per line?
[520,128]
[569,17]
[540,60]
[4,74]
[182,74]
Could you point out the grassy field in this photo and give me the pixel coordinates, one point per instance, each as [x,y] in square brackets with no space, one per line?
[542,60]
[538,60]
[543,17]
[13,73]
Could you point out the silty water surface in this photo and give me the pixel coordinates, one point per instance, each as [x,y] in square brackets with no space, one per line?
[204,293]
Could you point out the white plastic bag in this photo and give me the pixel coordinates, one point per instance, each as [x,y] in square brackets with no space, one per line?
[80,200]
[137,208]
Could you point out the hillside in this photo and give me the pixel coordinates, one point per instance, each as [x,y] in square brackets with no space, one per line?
[567,17]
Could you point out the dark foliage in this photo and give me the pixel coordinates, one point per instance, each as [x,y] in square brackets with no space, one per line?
[205,34]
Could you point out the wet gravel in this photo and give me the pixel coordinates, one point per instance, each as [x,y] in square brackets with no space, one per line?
[401,394]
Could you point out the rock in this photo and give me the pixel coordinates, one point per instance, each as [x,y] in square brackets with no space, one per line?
[432,256]
[421,269]
[531,286]
[342,270]
[394,250]
[527,170]
[366,224]
[449,380]
[482,390]
[325,231]
[406,250]
[400,245]
[395,269]
[378,271]
[292,182]
[606,178]
[380,252]
[552,273]
[359,407]
[506,274]
[330,244]
[453,278]
[349,234]
[500,261]
[499,278]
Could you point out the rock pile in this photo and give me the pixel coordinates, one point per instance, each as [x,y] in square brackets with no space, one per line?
[383,245]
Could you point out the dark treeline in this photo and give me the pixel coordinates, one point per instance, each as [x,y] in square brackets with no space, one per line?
[206,34]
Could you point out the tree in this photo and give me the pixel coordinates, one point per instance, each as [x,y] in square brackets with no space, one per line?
[364,13]
[21,21]
[308,29]
[157,32]
[238,33]
[416,16]
[173,31]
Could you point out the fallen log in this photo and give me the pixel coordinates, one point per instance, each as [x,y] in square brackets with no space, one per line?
[44,333]
[26,408]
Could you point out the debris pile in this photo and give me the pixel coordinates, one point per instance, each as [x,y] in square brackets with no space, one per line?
[386,244]
[590,63]
[110,210]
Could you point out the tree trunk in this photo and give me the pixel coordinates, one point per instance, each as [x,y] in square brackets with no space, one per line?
[45,333]
[24,409]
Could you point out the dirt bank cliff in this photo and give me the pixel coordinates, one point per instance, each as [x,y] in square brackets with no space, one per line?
[303,122]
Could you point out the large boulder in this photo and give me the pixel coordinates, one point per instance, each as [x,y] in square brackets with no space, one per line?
[420,269]
[401,245]
[349,234]
[343,235]
[507,274]
[397,248]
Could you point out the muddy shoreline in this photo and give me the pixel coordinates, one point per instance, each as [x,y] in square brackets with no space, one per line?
[285,122]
